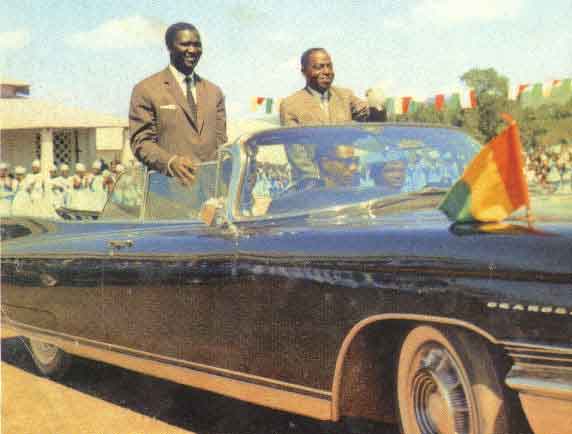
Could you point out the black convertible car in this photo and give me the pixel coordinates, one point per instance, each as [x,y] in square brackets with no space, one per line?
[309,270]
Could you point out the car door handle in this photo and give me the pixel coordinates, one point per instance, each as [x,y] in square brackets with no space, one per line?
[120,244]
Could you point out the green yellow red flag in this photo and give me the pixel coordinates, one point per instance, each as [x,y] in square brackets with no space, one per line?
[493,185]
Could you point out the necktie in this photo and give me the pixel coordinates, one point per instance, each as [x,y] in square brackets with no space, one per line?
[324,103]
[190,99]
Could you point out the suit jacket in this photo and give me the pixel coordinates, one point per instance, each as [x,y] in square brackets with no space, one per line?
[161,124]
[302,108]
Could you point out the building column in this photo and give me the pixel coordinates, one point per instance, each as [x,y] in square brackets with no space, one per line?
[46,150]
[126,154]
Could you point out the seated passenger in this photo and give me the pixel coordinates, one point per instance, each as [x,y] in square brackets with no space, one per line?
[390,175]
[338,165]
[416,177]
[450,169]
[435,172]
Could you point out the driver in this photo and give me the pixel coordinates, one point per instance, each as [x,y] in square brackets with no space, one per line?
[338,165]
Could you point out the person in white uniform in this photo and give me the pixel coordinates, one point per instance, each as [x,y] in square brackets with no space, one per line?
[61,186]
[78,197]
[21,205]
[35,185]
[6,190]
[54,193]
[40,192]
[97,191]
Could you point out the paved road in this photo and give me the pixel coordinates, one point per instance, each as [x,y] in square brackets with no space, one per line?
[96,398]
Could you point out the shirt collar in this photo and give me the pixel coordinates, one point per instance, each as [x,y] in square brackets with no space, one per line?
[180,77]
[320,96]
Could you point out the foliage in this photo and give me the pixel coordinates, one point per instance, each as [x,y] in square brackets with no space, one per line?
[486,82]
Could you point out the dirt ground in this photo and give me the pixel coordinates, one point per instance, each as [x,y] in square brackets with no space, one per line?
[96,398]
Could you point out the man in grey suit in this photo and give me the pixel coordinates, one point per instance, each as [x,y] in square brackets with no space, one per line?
[177,119]
[320,102]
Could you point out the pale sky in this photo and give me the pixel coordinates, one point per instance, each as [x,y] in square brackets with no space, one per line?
[90,54]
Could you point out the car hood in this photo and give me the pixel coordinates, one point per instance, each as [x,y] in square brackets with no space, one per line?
[548,215]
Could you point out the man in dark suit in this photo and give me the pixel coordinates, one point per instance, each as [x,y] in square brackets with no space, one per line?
[177,119]
[320,102]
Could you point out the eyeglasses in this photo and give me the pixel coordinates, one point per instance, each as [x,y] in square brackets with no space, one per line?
[349,161]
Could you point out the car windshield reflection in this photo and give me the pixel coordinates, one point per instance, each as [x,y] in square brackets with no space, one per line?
[296,170]
[169,199]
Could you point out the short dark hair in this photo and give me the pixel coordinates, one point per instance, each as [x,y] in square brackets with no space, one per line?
[174,28]
[306,55]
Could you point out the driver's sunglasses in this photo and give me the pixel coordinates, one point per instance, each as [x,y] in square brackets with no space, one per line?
[348,161]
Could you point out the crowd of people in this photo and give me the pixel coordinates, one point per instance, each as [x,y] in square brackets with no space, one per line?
[177,120]
[271,179]
[549,170]
[32,194]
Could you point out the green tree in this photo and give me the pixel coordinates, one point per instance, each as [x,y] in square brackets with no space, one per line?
[486,81]
[491,90]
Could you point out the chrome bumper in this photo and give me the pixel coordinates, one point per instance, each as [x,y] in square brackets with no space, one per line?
[542,376]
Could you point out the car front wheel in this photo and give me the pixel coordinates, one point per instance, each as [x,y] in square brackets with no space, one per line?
[50,360]
[447,384]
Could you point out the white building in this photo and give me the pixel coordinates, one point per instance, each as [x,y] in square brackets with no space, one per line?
[31,128]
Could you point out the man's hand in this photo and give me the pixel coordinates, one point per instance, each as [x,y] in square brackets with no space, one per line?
[184,169]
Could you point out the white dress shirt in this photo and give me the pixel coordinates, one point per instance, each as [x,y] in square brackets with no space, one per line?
[180,78]
[323,98]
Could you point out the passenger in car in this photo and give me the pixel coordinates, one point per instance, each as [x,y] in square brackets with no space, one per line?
[416,177]
[338,165]
[390,175]
[435,170]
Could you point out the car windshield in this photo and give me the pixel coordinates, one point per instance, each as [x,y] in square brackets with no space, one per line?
[298,169]
[169,199]
[126,199]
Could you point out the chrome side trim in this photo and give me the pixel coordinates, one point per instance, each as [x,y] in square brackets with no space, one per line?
[535,357]
[540,358]
[529,346]
[542,376]
[541,381]
[536,366]
[257,390]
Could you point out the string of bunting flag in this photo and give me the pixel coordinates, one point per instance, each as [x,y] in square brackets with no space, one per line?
[265,104]
[536,94]
[465,99]
[529,95]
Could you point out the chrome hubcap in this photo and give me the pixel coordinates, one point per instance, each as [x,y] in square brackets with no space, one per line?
[44,352]
[439,393]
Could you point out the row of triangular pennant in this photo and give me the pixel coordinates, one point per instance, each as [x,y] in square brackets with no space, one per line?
[536,94]
[265,104]
[529,95]
[406,104]
[399,105]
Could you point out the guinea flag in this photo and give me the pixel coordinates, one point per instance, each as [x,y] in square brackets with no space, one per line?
[493,185]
